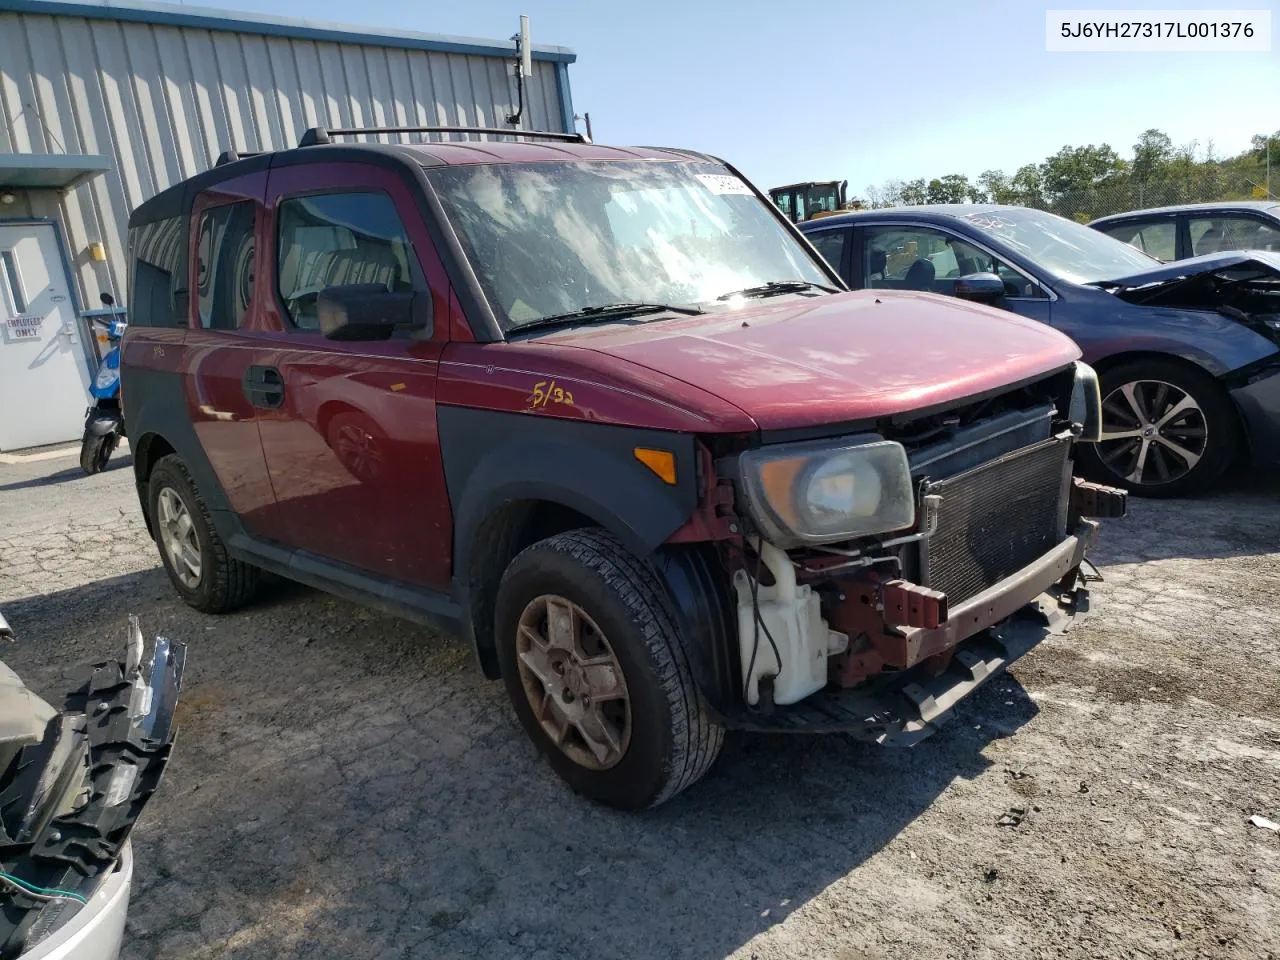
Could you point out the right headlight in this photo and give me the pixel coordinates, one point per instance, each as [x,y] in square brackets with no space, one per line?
[1086,403]
[818,493]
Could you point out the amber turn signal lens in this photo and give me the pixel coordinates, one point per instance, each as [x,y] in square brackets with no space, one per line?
[661,462]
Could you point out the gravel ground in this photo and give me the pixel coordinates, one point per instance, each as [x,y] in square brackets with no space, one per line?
[346,784]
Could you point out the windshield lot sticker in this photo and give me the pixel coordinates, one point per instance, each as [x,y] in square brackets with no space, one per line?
[546,393]
[724,185]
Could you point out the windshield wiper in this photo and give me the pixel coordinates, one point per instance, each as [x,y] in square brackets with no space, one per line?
[775,287]
[605,311]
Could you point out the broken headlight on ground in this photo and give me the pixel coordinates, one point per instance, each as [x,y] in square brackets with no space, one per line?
[72,785]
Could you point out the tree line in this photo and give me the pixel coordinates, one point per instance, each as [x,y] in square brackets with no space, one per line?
[1093,180]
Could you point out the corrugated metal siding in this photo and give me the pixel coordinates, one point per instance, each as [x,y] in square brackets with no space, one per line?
[164,101]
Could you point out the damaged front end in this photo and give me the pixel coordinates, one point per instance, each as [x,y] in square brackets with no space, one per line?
[985,532]
[72,785]
[1244,287]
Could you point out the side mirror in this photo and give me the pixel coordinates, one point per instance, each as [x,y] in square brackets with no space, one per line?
[982,287]
[367,311]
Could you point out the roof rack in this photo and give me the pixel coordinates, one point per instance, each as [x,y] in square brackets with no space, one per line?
[317,135]
[232,155]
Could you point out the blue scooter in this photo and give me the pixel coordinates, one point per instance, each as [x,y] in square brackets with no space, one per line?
[104,421]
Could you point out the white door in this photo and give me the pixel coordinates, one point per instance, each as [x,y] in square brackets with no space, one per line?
[44,377]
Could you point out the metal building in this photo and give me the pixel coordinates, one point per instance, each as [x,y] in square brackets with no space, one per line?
[102,106]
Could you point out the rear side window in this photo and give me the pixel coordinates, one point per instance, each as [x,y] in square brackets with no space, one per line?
[336,239]
[1219,234]
[158,282]
[1159,238]
[224,265]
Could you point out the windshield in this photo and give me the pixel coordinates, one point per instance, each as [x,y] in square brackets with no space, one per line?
[547,239]
[1064,248]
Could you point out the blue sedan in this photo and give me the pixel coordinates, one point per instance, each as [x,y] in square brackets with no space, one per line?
[1188,353]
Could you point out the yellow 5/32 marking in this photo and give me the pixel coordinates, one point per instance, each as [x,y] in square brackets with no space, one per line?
[547,392]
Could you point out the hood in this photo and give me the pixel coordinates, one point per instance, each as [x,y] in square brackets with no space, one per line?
[802,362]
[1266,263]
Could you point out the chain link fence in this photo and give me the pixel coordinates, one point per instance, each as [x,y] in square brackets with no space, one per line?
[1085,205]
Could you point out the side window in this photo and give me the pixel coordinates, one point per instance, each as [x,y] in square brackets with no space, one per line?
[922,258]
[224,265]
[831,244]
[1159,238]
[337,239]
[1232,233]
[158,281]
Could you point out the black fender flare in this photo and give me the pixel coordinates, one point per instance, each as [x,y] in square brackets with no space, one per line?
[493,459]
[496,457]
[621,495]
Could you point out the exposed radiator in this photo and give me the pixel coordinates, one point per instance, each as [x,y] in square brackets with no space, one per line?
[996,518]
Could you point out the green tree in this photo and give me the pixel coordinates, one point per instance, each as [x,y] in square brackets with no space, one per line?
[1026,187]
[1073,169]
[913,192]
[952,188]
[1151,154]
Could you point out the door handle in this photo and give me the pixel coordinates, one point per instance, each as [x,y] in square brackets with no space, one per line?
[264,387]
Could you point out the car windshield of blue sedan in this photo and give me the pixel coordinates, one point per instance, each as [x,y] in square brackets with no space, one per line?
[1066,249]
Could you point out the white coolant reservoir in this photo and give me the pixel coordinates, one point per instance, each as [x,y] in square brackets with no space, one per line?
[793,615]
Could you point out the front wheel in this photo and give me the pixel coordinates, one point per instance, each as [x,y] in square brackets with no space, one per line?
[1168,429]
[96,450]
[594,667]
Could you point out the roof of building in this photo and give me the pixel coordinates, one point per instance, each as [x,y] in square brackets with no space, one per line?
[207,18]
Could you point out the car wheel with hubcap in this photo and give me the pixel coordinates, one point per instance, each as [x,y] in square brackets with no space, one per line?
[595,669]
[194,556]
[1168,429]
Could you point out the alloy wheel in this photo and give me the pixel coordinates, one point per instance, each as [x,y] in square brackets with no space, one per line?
[178,535]
[574,682]
[358,451]
[1153,432]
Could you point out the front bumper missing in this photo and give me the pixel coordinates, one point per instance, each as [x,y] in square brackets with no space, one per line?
[988,632]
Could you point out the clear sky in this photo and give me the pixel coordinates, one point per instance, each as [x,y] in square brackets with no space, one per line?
[849,89]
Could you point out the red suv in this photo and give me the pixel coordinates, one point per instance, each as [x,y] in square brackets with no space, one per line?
[607,412]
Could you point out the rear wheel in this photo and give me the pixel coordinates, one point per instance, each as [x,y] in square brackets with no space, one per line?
[1168,429]
[194,556]
[596,673]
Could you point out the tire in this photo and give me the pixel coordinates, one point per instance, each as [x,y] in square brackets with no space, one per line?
[222,583]
[1138,396]
[669,741]
[95,451]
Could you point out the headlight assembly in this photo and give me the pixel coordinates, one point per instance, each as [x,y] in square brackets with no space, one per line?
[107,377]
[818,493]
[1086,403]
